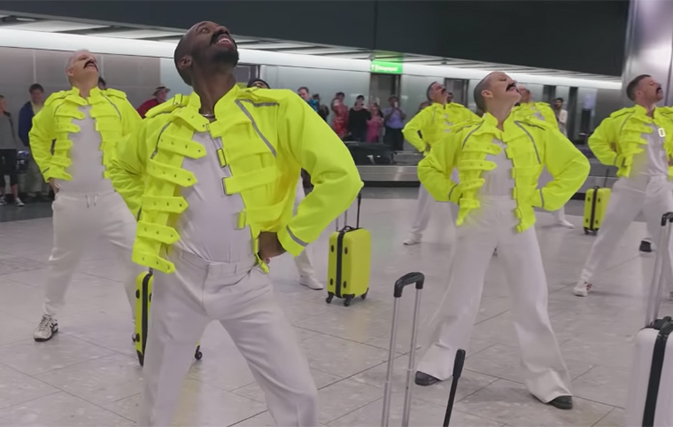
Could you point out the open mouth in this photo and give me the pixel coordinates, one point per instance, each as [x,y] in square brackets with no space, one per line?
[659,89]
[222,38]
[512,87]
[90,63]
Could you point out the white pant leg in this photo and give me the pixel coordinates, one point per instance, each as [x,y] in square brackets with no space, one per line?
[422,216]
[452,324]
[545,373]
[559,215]
[119,228]
[177,321]
[74,226]
[303,260]
[625,202]
[268,343]
[658,201]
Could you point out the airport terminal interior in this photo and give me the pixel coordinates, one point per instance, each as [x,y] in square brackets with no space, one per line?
[89,374]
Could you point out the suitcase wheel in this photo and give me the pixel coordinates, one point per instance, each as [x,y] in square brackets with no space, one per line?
[364,296]
[586,230]
[329,298]
[141,357]
[198,355]
[347,301]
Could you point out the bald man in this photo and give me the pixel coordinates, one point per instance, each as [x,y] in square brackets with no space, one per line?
[73,140]
[499,158]
[541,111]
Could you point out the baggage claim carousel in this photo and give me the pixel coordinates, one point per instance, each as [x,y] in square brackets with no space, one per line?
[402,173]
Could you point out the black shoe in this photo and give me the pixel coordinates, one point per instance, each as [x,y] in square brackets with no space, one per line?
[424,379]
[562,402]
[645,246]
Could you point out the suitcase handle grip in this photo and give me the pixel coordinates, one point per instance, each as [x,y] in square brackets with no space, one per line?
[408,279]
[668,216]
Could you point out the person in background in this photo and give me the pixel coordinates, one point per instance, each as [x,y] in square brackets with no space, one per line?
[541,111]
[302,261]
[561,116]
[449,97]
[159,97]
[37,188]
[393,120]
[638,141]
[73,140]
[498,169]
[374,124]
[305,94]
[323,110]
[8,150]
[357,120]
[423,105]
[423,131]
[340,121]
[102,84]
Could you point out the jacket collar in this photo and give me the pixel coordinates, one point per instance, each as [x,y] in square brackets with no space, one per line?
[74,95]
[221,105]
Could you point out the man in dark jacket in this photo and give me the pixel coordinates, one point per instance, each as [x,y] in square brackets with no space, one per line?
[36,187]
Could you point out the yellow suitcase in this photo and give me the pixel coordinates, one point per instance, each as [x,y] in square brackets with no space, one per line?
[143,300]
[595,204]
[349,261]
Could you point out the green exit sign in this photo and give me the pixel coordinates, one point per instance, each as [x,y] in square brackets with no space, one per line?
[386,67]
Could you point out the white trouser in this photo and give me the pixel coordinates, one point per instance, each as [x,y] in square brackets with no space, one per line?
[79,220]
[303,260]
[422,216]
[240,297]
[628,198]
[491,227]
[559,215]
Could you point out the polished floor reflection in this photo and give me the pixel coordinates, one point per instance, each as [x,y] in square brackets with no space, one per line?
[88,375]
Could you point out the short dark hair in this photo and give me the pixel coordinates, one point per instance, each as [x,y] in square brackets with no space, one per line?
[362,97]
[34,87]
[633,84]
[427,91]
[181,51]
[102,81]
[341,93]
[559,99]
[305,88]
[478,89]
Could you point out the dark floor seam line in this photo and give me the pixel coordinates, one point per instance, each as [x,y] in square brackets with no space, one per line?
[246,419]
[604,416]
[58,390]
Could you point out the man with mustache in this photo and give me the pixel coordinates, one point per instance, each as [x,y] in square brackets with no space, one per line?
[73,140]
[213,177]
[423,131]
[639,141]
[542,111]
[499,158]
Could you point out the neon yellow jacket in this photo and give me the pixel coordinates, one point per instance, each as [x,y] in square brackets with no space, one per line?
[619,137]
[432,122]
[531,145]
[49,137]
[540,110]
[269,135]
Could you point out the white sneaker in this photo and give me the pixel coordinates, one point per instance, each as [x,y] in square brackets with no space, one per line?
[582,289]
[311,283]
[412,240]
[46,329]
[565,223]
[18,202]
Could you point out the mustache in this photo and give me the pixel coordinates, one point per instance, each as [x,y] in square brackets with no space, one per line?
[217,34]
[511,85]
[90,61]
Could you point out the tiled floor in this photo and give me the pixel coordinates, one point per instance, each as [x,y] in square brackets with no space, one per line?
[88,374]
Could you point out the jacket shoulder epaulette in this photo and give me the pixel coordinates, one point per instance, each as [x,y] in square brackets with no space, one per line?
[621,112]
[56,96]
[172,104]
[115,93]
[534,121]
[264,96]
[465,125]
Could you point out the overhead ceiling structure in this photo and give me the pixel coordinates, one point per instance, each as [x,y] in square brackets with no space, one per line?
[14,22]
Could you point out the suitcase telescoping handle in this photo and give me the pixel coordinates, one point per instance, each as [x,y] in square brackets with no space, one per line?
[357,225]
[661,262]
[408,279]
[457,371]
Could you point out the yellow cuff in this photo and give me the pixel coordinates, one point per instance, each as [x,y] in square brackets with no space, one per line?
[290,242]
[454,193]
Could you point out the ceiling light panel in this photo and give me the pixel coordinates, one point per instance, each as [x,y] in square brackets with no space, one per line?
[53,26]
[137,34]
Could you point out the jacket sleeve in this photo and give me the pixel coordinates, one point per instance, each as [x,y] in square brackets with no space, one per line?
[41,136]
[548,114]
[415,125]
[602,143]
[434,171]
[131,120]
[568,167]
[128,167]
[324,156]
[25,118]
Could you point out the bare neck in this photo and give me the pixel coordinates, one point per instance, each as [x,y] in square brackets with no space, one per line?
[500,112]
[84,88]
[650,107]
[212,89]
